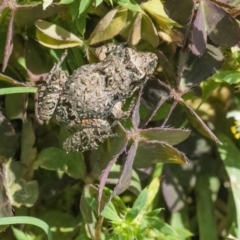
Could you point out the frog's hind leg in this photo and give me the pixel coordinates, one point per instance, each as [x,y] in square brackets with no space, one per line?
[88,134]
[86,139]
[50,91]
[49,95]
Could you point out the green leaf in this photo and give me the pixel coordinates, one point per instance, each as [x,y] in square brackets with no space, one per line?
[66,1]
[229,154]
[26,14]
[149,153]
[98,2]
[88,208]
[111,25]
[35,61]
[16,106]
[130,4]
[132,214]
[46,3]
[156,9]
[138,206]
[62,224]
[206,219]
[153,213]
[171,136]
[84,4]
[92,203]
[109,212]
[9,80]
[57,159]
[135,34]
[183,233]
[141,201]
[27,220]
[12,90]
[149,32]
[208,87]
[153,190]
[161,226]
[26,193]
[174,8]
[231,77]
[9,139]
[19,191]
[53,36]
[20,235]
[28,151]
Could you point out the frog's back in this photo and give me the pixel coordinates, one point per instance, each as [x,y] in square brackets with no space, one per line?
[85,94]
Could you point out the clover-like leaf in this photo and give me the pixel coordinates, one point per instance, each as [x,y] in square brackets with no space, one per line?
[149,32]
[26,14]
[197,122]
[16,106]
[9,139]
[151,152]
[156,10]
[115,173]
[111,25]
[174,8]
[59,160]
[111,148]
[126,175]
[199,34]
[53,36]
[171,136]
[19,191]
[136,109]
[35,61]
[135,34]
[200,68]
[104,157]
[26,193]
[130,4]
[215,22]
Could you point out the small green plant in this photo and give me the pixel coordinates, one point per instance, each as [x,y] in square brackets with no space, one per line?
[140,221]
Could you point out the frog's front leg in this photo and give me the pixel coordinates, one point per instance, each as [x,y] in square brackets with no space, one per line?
[49,95]
[117,112]
[91,133]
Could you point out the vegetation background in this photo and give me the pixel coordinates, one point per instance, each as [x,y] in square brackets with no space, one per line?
[188,114]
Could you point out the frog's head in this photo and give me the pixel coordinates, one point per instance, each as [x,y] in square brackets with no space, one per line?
[145,62]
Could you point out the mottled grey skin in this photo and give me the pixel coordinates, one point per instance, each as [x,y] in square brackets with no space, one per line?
[84,101]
